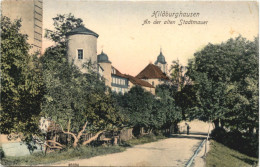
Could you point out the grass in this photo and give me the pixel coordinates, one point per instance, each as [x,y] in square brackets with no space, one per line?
[222,156]
[80,153]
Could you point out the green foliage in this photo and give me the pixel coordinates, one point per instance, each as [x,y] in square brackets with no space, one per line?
[21,81]
[137,104]
[62,25]
[167,111]
[142,109]
[73,98]
[226,77]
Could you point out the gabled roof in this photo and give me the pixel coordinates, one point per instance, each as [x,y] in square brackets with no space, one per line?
[137,81]
[152,72]
[118,73]
[132,79]
[82,30]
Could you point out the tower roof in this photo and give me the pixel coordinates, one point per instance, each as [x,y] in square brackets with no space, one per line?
[160,59]
[82,30]
[152,72]
[103,58]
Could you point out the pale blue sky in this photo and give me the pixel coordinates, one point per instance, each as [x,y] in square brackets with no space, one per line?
[131,46]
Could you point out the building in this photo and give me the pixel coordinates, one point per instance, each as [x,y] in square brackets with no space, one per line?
[30,12]
[161,63]
[82,47]
[154,75]
[120,82]
[133,81]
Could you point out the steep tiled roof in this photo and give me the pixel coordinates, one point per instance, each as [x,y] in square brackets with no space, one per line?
[139,82]
[82,30]
[152,72]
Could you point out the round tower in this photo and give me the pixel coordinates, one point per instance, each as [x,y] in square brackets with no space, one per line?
[103,61]
[82,47]
[161,63]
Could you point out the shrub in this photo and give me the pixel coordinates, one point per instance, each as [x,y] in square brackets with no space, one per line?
[218,134]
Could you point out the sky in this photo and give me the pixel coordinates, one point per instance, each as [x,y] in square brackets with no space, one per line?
[131,46]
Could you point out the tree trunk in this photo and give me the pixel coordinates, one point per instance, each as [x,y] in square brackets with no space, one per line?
[222,123]
[216,123]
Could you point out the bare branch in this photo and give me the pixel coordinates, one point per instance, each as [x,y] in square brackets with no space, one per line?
[92,138]
[70,133]
[80,132]
[51,141]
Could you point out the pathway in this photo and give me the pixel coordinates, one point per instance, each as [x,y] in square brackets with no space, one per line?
[174,151]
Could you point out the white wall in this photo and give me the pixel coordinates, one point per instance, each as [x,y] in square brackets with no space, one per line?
[81,41]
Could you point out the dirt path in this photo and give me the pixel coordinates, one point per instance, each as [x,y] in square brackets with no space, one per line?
[174,151]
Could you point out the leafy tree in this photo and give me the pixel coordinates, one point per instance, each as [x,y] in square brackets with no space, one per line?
[21,83]
[77,102]
[137,106]
[226,76]
[167,108]
[178,75]
[62,25]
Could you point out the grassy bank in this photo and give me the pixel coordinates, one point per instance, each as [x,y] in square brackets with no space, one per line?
[222,156]
[80,153]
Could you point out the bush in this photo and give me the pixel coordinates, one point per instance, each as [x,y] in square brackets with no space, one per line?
[218,134]
[245,143]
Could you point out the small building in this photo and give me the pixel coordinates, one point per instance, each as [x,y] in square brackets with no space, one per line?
[145,85]
[119,82]
[154,75]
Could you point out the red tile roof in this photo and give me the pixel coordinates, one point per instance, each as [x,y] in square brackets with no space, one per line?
[132,79]
[152,72]
[140,82]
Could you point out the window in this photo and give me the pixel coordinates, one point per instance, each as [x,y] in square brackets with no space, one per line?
[80,53]
[113,71]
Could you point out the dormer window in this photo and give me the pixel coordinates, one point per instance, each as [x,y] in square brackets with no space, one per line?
[80,53]
[113,71]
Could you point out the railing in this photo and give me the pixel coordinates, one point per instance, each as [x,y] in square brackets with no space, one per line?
[188,164]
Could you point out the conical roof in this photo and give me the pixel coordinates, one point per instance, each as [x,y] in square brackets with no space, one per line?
[82,30]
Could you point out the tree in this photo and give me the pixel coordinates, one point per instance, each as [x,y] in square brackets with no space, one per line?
[77,102]
[178,75]
[226,76]
[21,83]
[167,106]
[62,25]
[137,106]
